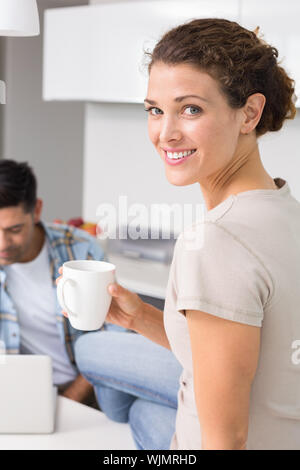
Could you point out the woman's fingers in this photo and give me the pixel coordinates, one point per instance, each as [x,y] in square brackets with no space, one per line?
[60,270]
[113,289]
[123,295]
[126,306]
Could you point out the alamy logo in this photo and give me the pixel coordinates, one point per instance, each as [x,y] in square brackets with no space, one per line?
[138,221]
[296,354]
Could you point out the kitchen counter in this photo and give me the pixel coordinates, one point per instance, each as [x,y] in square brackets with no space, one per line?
[142,276]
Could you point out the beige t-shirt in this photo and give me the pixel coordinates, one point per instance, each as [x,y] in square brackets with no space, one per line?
[242,263]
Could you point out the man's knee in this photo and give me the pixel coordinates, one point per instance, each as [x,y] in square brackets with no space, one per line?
[95,351]
[85,349]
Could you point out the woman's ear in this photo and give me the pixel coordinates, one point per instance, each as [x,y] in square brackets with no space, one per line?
[252,111]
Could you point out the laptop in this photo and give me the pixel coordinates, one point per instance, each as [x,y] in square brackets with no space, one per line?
[27,394]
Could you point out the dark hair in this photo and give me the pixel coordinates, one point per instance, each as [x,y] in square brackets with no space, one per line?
[17,185]
[242,63]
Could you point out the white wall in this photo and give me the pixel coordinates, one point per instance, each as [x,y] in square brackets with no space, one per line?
[2,107]
[119,159]
[47,135]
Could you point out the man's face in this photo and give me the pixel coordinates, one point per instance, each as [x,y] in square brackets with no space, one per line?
[16,234]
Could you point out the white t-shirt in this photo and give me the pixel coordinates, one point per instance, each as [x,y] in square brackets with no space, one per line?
[30,287]
[246,269]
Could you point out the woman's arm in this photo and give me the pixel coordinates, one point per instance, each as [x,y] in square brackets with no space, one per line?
[128,310]
[152,326]
[225,356]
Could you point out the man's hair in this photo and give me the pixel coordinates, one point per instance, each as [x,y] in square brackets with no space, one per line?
[18,185]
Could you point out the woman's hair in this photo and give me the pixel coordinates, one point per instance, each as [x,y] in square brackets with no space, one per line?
[242,64]
[18,185]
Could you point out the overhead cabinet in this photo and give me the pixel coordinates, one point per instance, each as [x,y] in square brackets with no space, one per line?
[95,52]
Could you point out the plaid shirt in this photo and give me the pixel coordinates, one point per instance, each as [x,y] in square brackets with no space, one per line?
[65,243]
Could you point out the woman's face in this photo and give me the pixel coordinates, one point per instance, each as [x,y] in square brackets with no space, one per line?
[189,118]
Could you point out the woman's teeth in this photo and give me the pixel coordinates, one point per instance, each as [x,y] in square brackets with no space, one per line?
[177,155]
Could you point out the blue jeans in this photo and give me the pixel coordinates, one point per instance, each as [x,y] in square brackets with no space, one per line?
[135,381]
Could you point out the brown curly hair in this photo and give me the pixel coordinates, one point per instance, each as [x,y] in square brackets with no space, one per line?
[242,63]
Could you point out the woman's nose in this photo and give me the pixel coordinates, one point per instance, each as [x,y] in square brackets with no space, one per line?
[169,130]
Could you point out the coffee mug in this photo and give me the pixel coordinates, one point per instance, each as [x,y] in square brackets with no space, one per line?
[82,292]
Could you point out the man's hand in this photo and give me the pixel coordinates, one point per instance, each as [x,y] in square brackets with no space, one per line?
[79,390]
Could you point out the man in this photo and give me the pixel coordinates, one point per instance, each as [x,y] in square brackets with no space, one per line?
[31,321]
[142,392]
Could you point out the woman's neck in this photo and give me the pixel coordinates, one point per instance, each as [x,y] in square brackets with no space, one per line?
[245,172]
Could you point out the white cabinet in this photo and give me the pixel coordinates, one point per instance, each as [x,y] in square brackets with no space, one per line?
[279,23]
[95,53]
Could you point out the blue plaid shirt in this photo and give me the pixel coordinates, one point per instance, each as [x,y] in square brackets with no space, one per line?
[65,243]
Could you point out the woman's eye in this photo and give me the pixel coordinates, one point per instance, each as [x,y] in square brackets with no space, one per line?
[192,110]
[154,111]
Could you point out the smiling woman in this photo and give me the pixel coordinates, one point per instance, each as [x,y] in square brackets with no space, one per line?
[214,88]
[232,303]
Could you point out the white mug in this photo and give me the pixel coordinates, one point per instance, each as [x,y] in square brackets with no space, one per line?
[82,292]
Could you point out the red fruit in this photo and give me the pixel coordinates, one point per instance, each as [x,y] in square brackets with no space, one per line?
[76,221]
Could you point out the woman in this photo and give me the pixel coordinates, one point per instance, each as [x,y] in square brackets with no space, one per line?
[232,308]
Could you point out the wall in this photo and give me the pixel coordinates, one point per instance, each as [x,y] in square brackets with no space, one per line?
[47,135]
[119,159]
[2,107]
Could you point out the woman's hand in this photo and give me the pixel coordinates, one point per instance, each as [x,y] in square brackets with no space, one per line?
[126,307]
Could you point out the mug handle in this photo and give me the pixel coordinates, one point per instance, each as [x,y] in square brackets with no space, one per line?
[61,297]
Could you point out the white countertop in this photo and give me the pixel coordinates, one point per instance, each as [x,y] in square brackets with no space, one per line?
[78,427]
[141,276]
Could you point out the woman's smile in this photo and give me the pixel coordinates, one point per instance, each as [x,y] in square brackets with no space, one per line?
[177,156]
